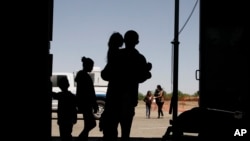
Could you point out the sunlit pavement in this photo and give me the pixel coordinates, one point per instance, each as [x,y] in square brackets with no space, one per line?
[142,127]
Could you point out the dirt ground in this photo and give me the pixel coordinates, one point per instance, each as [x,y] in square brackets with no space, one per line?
[182,105]
[142,129]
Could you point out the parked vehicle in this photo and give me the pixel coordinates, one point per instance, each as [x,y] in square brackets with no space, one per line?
[99,84]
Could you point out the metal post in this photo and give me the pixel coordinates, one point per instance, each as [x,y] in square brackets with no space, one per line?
[176,60]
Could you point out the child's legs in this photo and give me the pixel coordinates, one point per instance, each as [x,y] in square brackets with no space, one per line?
[147,110]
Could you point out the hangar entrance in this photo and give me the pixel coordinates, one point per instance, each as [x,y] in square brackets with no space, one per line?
[222,78]
[168,20]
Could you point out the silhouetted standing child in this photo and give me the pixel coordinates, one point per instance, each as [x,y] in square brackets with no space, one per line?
[148,102]
[86,98]
[67,110]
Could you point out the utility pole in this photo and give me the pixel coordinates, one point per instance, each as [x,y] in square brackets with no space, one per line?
[175,42]
[176,61]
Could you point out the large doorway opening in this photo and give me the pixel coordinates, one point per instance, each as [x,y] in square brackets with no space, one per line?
[82,28]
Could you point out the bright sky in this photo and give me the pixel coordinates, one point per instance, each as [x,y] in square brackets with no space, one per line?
[82,28]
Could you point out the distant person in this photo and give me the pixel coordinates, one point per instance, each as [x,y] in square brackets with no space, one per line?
[67,110]
[86,98]
[128,70]
[148,99]
[159,98]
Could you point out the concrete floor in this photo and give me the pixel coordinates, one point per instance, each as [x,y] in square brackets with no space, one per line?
[186,138]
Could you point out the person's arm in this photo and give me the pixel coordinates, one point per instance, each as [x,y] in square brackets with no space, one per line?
[95,107]
[144,69]
[160,94]
[105,73]
[93,98]
[151,98]
[77,77]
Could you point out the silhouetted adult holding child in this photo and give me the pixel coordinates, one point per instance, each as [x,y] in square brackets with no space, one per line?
[67,110]
[86,98]
[128,69]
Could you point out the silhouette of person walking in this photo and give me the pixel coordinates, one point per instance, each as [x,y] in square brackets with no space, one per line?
[159,96]
[86,98]
[128,69]
[148,99]
[67,110]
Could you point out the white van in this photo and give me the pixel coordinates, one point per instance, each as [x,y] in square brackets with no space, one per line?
[99,84]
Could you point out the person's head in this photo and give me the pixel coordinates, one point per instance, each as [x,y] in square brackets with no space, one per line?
[63,83]
[115,41]
[87,64]
[149,93]
[131,38]
[158,87]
